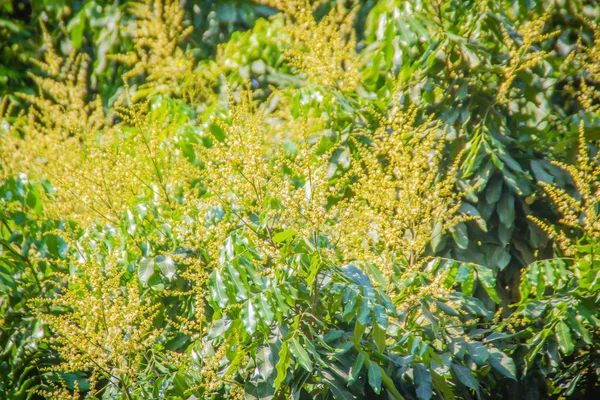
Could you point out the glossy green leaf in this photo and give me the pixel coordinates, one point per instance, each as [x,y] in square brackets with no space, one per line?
[284,235]
[166,265]
[219,327]
[218,290]
[264,309]
[356,368]
[502,363]
[145,270]
[282,365]
[249,317]
[375,377]
[478,352]
[260,390]
[488,280]
[563,336]
[300,355]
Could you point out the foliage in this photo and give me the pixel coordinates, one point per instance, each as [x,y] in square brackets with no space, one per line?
[345,200]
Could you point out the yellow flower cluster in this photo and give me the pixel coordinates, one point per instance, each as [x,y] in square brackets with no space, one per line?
[105,327]
[325,50]
[581,212]
[382,202]
[60,121]
[521,58]
[158,30]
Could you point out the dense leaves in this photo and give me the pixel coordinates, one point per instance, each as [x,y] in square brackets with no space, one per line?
[276,199]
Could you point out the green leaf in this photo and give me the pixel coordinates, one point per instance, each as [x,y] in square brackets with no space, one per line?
[379,336]
[264,361]
[166,265]
[465,376]
[460,235]
[506,208]
[361,279]
[502,363]
[493,190]
[283,236]
[241,291]
[499,257]
[356,368]
[336,386]
[218,328]
[375,377]
[447,308]
[423,381]
[478,352]
[249,317]
[563,336]
[260,390]
[264,309]
[218,290]
[76,28]
[578,328]
[488,280]
[381,317]
[145,270]
[436,235]
[300,354]
[282,365]
[442,386]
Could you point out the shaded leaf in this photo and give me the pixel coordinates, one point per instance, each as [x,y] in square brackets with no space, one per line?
[502,363]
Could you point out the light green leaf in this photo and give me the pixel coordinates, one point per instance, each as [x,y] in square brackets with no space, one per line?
[145,270]
[241,291]
[218,290]
[249,317]
[282,365]
[218,328]
[379,335]
[166,265]
[264,361]
[76,28]
[283,236]
[264,309]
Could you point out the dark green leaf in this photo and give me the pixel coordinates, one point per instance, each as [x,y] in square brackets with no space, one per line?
[423,381]
[375,377]
[478,352]
[465,376]
[502,363]
[356,368]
